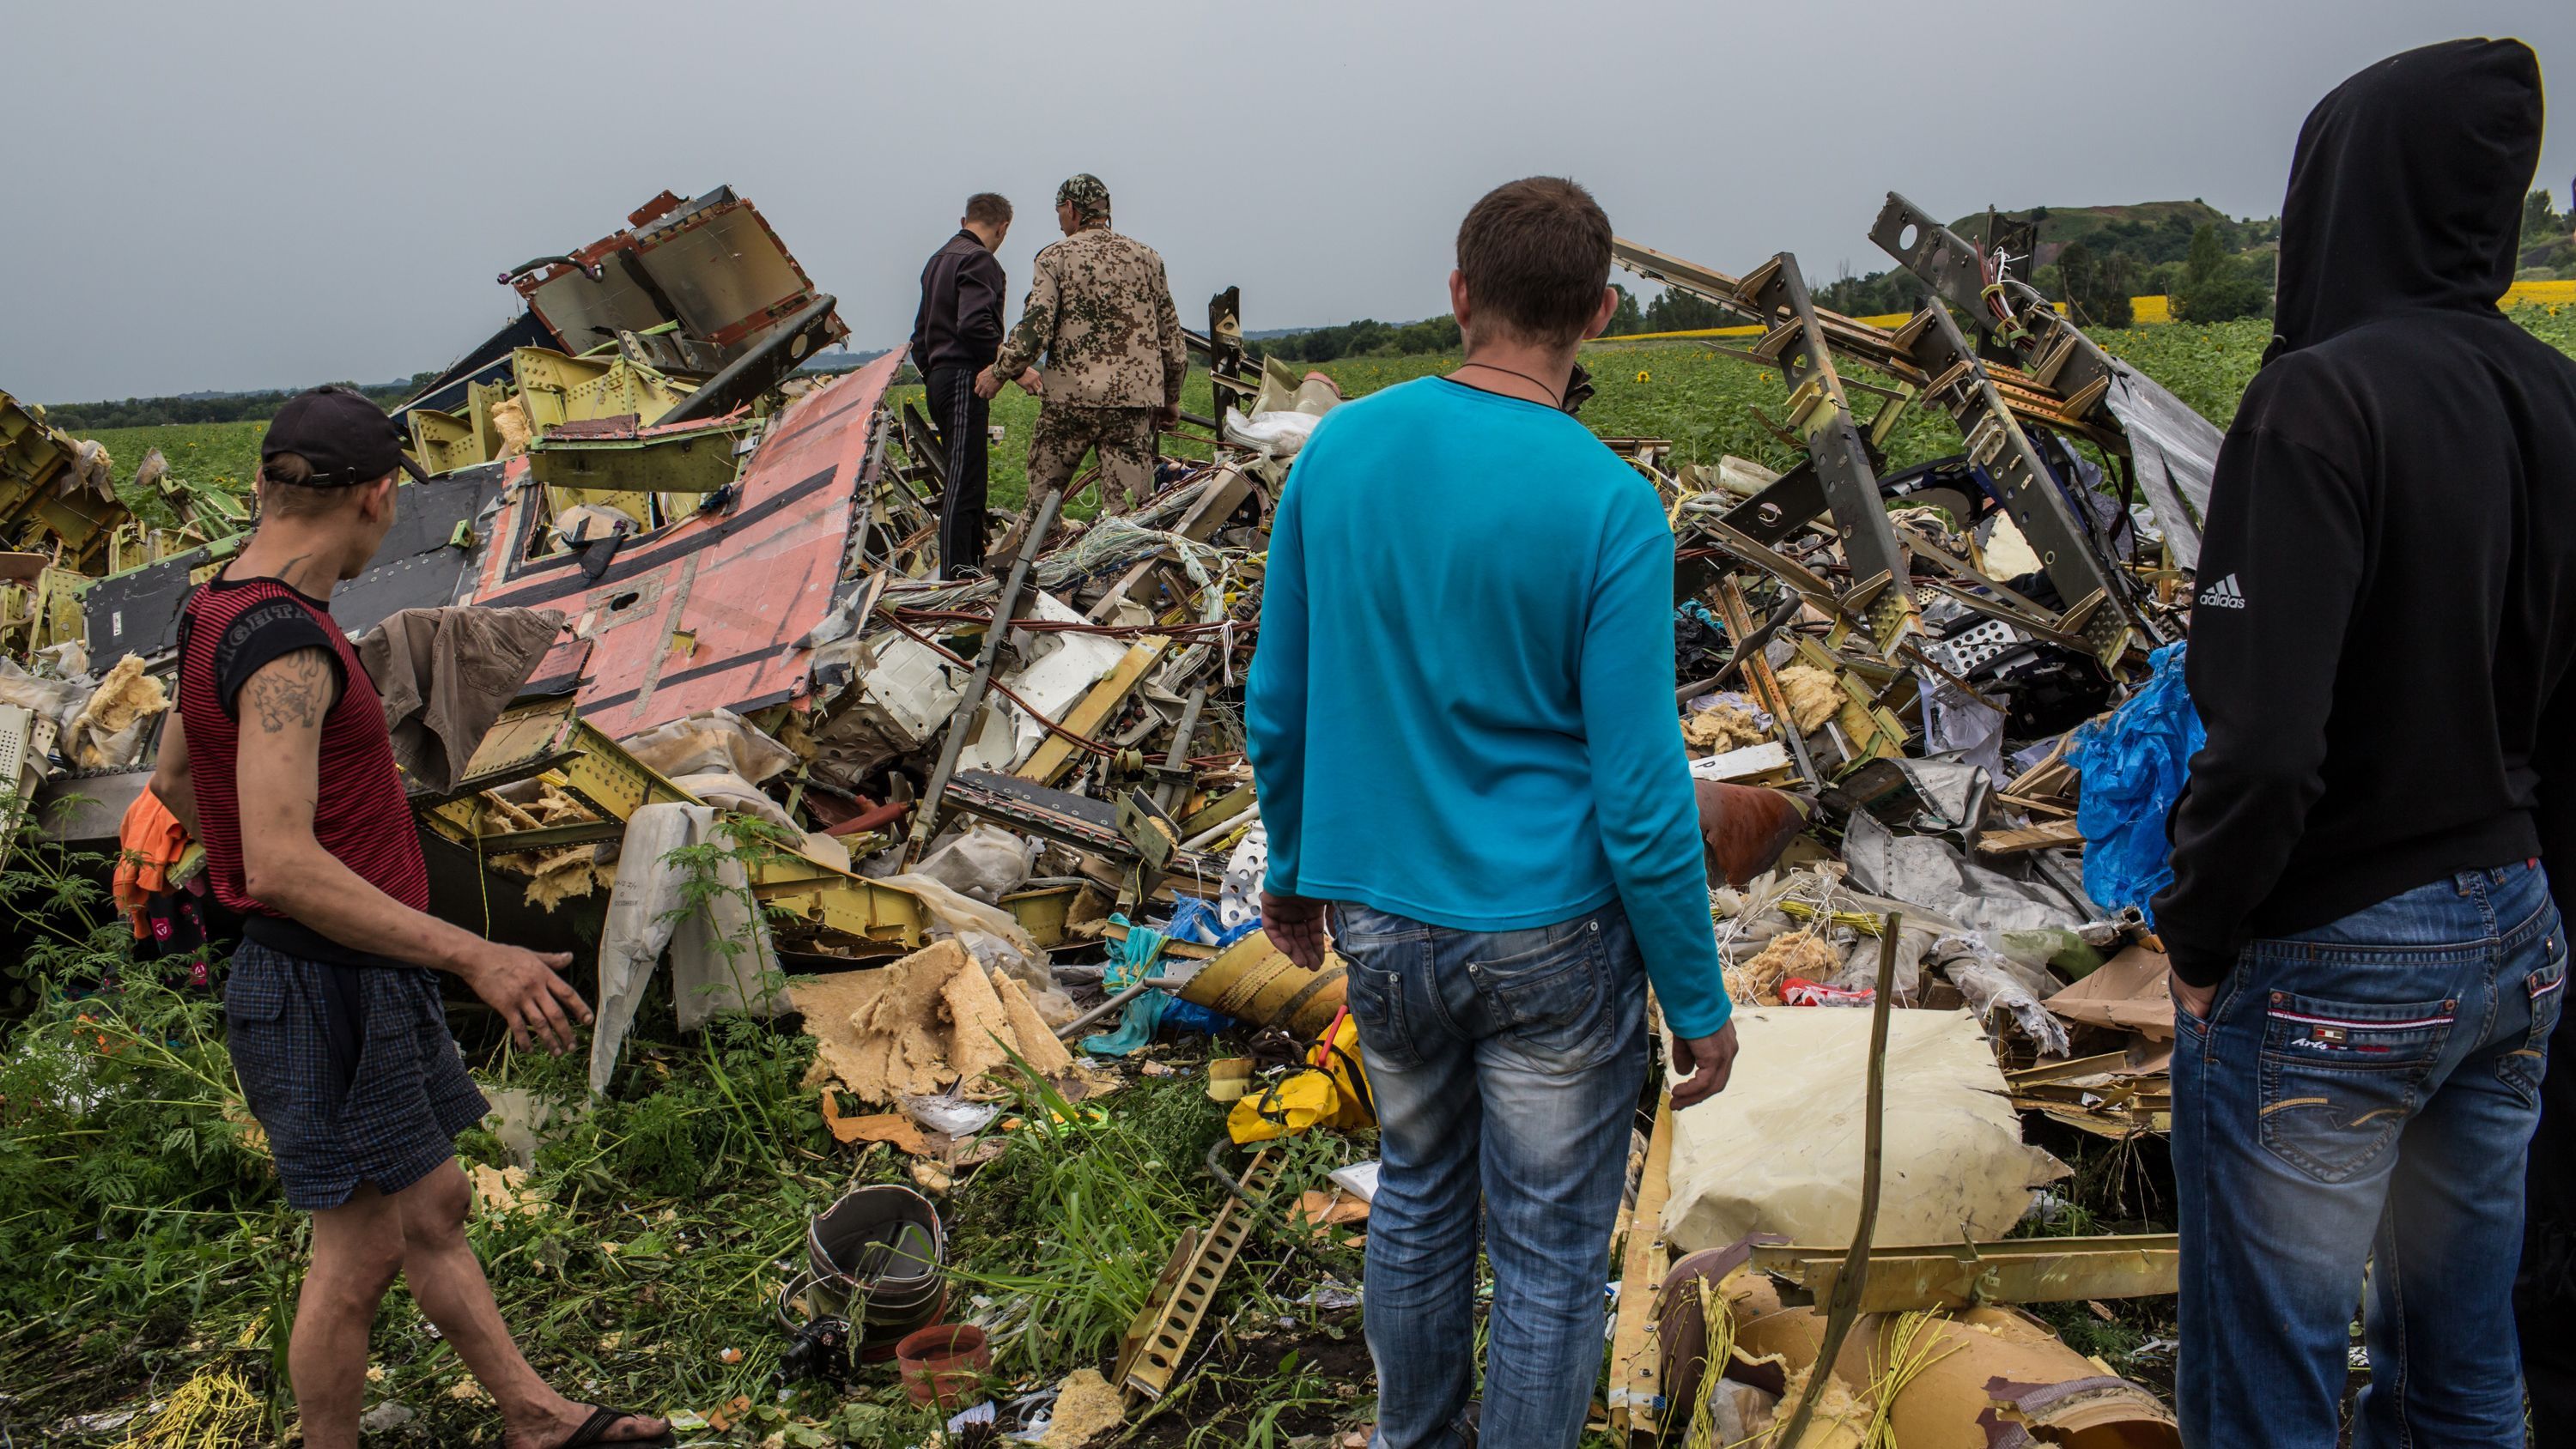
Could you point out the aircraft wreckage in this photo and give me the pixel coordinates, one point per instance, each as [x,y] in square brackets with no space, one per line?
[660,577]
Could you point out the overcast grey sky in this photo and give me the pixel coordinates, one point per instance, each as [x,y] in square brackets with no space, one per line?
[258,195]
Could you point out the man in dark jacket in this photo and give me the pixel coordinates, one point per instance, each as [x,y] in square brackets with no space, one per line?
[954,336]
[2367,960]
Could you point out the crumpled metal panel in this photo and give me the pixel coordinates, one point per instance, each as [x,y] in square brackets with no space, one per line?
[709,612]
[47,490]
[712,265]
[2176,453]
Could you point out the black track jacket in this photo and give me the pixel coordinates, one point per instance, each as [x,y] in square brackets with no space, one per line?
[960,321]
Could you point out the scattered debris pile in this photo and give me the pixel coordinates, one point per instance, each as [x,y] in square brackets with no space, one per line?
[757,733]
[1943,662]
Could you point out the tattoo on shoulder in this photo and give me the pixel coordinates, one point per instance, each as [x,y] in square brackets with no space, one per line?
[293,690]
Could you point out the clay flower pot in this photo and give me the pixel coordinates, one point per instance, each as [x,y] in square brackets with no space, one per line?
[943,1364]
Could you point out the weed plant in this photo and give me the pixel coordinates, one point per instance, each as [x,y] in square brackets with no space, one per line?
[148,1240]
[637,1260]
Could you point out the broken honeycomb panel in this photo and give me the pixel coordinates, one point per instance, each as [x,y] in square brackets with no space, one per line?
[654,476]
[53,487]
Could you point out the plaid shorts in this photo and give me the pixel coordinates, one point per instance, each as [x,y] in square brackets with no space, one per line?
[382,1104]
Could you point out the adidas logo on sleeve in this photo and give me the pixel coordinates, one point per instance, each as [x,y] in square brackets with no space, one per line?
[2224,594]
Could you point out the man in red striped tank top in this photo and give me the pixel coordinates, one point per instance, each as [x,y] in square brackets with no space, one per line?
[279,762]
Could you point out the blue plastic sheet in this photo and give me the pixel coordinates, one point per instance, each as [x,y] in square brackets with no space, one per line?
[2134,765]
[1194,920]
[1189,1016]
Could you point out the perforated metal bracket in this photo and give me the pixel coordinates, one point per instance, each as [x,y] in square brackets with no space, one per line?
[1160,1344]
[2053,351]
[1962,388]
[1820,414]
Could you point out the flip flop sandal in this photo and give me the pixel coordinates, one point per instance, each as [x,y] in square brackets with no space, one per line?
[594,1431]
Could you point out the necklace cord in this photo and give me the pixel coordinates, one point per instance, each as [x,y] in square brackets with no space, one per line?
[1556,396]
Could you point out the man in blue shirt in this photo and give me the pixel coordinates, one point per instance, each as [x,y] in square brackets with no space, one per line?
[1461,721]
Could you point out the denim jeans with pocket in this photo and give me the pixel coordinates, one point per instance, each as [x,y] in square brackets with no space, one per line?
[2364,1092]
[1507,1065]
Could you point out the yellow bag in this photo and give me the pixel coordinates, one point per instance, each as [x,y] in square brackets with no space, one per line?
[1333,1092]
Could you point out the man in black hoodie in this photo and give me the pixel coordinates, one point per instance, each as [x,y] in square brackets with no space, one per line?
[2367,961]
[954,336]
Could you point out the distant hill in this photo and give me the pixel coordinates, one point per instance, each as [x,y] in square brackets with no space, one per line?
[2080,223]
[837,360]
[205,407]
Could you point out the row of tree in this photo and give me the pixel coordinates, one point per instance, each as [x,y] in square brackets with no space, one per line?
[1671,312]
[237,407]
[2206,282]
[2548,239]
[1674,311]
[2214,271]
[1366,337]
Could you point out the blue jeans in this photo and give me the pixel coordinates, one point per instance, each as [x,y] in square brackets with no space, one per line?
[1507,1063]
[2365,1091]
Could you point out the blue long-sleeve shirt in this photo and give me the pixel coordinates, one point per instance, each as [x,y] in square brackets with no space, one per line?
[1461,707]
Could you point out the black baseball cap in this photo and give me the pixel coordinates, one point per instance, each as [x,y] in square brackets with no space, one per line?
[343,435]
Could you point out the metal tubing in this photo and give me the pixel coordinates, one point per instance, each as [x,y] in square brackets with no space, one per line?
[1168,794]
[1222,828]
[1125,995]
[1005,605]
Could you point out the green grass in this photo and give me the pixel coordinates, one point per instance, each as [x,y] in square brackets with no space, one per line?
[1708,404]
[2207,367]
[148,1243]
[226,454]
[1016,414]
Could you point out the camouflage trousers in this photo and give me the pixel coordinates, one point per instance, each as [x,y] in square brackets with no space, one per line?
[1123,437]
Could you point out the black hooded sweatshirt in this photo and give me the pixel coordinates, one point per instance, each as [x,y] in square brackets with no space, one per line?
[2386,601]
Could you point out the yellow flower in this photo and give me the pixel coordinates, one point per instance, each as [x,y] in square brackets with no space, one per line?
[1644,377]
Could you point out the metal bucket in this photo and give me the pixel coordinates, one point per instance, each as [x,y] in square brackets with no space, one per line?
[878,1257]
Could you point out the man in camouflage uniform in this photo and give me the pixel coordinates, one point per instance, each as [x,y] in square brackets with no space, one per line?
[1101,311]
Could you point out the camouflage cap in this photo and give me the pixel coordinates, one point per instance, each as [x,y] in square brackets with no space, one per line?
[1085,195]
